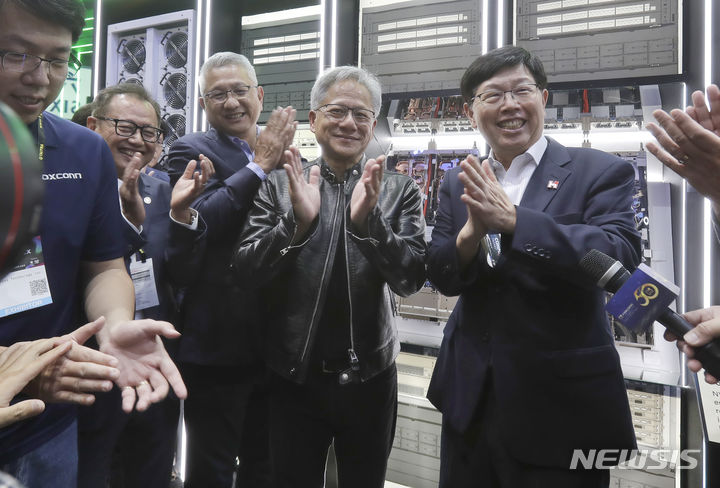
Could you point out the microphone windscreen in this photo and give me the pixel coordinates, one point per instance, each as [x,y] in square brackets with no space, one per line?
[607,272]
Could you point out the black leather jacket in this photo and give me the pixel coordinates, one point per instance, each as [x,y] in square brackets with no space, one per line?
[294,278]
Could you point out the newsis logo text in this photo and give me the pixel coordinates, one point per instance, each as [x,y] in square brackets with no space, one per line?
[652,459]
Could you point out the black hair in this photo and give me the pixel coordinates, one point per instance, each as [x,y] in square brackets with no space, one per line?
[67,13]
[490,63]
[81,114]
[105,96]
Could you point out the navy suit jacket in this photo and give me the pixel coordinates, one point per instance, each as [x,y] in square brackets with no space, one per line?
[219,319]
[534,323]
[153,241]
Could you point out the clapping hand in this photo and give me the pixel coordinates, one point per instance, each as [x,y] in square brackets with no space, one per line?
[304,195]
[19,364]
[132,203]
[190,186]
[366,193]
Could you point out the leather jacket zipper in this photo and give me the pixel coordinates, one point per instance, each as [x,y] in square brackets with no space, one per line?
[322,278]
[354,362]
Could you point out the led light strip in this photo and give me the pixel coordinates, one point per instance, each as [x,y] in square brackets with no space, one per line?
[333,38]
[485,24]
[96,61]
[707,207]
[196,124]
[321,64]
[501,23]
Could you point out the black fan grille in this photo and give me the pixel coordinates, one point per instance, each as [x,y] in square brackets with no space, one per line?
[175,124]
[175,90]
[133,55]
[176,49]
[134,81]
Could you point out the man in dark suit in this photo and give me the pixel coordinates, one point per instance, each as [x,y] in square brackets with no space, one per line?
[140,446]
[218,352]
[527,371]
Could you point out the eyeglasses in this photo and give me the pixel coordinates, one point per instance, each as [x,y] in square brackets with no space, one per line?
[26,63]
[337,113]
[220,96]
[125,128]
[494,97]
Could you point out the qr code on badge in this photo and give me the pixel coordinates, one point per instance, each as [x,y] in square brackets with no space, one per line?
[38,287]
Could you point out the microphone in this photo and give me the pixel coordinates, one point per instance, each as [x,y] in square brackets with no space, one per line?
[610,275]
[21,188]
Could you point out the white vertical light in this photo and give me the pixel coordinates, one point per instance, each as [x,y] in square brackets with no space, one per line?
[501,23]
[333,43]
[682,273]
[707,210]
[96,54]
[208,24]
[208,17]
[485,24]
[322,37]
[195,89]
[708,41]
[683,257]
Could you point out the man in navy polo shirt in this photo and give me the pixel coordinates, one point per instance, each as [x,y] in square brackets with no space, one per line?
[79,250]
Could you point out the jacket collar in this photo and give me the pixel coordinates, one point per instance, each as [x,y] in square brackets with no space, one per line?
[547,180]
[354,171]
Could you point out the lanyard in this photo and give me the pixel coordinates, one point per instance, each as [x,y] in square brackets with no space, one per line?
[41,139]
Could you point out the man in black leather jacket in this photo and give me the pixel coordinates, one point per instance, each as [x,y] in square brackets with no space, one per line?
[321,242]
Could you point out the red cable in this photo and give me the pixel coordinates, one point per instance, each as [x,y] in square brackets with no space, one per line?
[18,177]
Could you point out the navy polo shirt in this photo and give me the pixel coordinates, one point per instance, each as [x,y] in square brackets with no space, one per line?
[81,221]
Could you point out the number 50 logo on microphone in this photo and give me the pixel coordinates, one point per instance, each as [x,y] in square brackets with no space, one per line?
[646,292]
[641,298]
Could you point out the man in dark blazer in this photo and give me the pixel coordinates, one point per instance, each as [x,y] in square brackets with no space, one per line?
[527,371]
[135,449]
[218,351]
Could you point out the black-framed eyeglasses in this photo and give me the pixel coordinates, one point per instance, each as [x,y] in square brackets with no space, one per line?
[221,96]
[26,63]
[125,128]
[337,112]
[493,97]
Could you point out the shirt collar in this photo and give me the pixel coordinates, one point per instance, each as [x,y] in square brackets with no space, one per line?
[534,154]
[243,142]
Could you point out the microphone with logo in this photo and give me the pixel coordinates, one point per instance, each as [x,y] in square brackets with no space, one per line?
[642,298]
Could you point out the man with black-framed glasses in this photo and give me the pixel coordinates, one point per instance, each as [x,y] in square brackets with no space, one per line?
[218,353]
[527,375]
[82,249]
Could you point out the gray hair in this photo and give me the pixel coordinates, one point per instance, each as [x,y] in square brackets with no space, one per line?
[225,58]
[326,80]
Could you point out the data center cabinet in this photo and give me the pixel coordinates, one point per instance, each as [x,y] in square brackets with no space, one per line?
[285,47]
[285,52]
[159,53]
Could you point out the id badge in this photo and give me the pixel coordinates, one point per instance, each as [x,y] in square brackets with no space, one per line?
[26,286]
[143,277]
